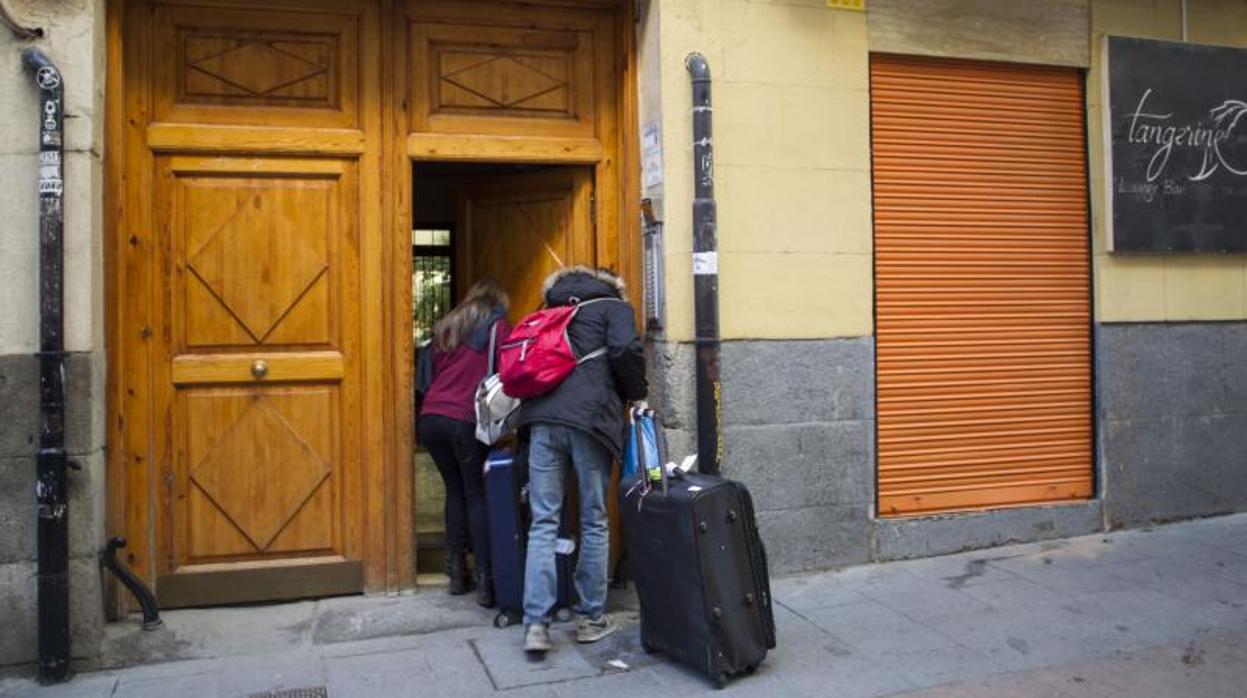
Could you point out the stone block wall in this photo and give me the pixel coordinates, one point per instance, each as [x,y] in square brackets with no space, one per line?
[799,431]
[1172,419]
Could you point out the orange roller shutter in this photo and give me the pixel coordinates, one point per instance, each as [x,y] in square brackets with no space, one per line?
[982,289]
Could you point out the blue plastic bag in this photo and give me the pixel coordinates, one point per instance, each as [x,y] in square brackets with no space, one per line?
[644,449]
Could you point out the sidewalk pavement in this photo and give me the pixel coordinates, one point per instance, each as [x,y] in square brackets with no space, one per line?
[1159,612]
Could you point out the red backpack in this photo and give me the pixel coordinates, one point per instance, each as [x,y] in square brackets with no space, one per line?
[538,355]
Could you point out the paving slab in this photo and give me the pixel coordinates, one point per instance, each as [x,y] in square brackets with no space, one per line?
[256,674]
[872,629]
[1211,666]
[964,570]
[89,686]
[614,684]
[1067,577]
[928,600]
[508,667]
[1015,593]
[807,592]
[1234,571]
[187,685]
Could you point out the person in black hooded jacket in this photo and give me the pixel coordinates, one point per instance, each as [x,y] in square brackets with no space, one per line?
[581,424]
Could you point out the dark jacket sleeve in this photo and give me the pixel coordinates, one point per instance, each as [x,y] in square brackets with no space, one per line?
[625,352]
[424,368]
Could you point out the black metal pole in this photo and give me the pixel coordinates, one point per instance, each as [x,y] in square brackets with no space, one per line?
[705,274]
[50,479]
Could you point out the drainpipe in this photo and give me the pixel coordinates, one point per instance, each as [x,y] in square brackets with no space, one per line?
[705,275]
[50,478]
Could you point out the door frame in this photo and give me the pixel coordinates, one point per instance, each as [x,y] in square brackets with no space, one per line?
[617,236]
[389,555]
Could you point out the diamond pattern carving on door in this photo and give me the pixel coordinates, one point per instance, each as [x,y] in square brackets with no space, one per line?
[481,80]
[522,81]
[256,66]
[259,462]
[225,66]
[259,253]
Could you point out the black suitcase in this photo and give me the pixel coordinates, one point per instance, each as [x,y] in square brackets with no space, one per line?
[700,572]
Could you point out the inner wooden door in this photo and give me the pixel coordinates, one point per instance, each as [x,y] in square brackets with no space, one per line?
[518,228]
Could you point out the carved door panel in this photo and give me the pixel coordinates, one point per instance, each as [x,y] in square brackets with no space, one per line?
[257,66]
[478,68]
[519,228]
[262,268]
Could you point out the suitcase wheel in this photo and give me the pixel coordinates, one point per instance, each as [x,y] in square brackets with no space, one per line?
[505,619]
[645,645]
[751,668]
[563,615]
[720,681]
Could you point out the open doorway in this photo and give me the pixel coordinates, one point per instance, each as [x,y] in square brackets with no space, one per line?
[514,223]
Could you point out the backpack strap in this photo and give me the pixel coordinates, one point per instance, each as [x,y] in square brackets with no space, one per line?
[600,351]
[493,343]
[578,304]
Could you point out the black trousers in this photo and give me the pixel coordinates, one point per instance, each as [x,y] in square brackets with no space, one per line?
[460,459]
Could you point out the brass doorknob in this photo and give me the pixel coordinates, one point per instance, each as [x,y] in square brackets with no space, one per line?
[259,369]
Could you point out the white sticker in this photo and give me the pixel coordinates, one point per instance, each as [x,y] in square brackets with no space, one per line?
[565,546]
[651,156]
[705,263]
[694,488]
[47,78]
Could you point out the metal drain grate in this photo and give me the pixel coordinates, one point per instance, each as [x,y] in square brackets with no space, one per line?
[315,692]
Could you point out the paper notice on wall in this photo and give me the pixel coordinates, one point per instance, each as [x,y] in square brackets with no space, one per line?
[651,156]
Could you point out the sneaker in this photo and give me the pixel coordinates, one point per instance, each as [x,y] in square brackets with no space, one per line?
[594,629]
[537,639]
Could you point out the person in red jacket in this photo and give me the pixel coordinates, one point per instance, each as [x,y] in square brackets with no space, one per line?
[449,377]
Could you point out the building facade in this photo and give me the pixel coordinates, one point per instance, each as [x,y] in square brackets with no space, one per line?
[930,343]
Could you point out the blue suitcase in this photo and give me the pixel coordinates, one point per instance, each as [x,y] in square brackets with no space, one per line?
[506,495]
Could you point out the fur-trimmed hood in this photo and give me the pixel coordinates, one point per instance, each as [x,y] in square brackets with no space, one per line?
[581,283]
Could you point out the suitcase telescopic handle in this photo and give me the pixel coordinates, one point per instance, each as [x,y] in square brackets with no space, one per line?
[639,414]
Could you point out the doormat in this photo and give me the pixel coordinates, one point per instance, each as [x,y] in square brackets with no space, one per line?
[315,692]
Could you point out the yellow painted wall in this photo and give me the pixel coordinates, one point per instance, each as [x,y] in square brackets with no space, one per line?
[1133,288]
[792,166]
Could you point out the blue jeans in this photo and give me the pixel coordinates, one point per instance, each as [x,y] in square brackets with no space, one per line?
[552,449]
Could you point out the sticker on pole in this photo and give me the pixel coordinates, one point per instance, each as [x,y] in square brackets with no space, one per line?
[705,263]
[47,78]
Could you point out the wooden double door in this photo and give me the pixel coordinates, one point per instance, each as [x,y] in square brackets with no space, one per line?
[260,174]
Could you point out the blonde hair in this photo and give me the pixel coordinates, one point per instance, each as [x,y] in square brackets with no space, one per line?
[482,300]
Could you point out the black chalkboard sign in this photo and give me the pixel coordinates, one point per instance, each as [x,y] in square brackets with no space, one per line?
[1178,122]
